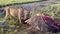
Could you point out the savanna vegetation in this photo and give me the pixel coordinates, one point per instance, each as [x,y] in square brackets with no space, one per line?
[4,2]
[51,9]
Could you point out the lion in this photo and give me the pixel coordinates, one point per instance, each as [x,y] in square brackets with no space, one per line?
[21,13]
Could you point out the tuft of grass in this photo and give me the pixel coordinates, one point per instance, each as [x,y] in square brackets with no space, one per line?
[11,20]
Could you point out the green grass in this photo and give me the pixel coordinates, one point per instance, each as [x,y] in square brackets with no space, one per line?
[54,5]
[4,2]
[22,27]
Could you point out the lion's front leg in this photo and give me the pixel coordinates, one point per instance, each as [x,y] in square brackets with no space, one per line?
[20,17]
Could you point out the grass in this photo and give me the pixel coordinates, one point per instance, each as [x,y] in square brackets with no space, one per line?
[54,5]
[4,2]
[12,20]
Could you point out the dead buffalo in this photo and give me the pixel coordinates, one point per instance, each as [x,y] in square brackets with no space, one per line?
[37,23]
[21,13]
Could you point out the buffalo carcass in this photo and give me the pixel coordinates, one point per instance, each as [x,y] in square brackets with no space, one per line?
[38,24]
[21,13]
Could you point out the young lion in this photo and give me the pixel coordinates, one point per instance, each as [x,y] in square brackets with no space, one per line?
[19,12]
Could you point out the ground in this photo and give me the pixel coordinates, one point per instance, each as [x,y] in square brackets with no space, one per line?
[22,28]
